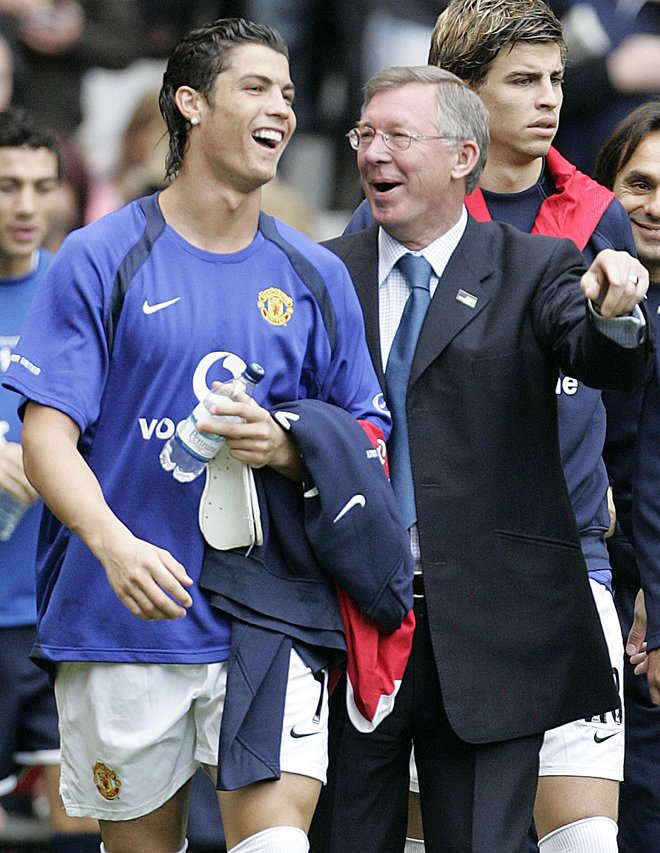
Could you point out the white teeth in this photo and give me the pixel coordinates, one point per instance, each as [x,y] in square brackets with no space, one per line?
[269,135]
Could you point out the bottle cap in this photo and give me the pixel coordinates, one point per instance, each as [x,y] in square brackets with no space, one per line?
[254,372]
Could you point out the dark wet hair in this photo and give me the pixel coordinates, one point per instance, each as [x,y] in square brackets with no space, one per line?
[196,61]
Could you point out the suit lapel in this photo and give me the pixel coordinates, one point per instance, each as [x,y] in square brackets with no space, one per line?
[361,259]
[447,315]
[460,296]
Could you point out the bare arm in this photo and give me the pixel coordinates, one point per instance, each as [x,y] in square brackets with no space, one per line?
[12,476]
[139,573]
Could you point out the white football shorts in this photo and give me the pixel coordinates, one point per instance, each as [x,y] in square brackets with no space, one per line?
[133,734]
[593,747]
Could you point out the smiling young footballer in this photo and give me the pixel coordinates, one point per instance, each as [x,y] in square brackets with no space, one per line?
[140,312]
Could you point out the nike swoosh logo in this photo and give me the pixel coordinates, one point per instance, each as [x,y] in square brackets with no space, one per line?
[602,739]
[294,733]
[356,500]
[285,419]
[151,309]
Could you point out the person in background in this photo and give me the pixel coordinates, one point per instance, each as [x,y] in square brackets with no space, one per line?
[613,67]
[140,166]
[629,164]
[29,185]
[58,41]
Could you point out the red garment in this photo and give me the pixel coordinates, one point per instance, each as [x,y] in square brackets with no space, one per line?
[574,209]
[375,664]
[375,660]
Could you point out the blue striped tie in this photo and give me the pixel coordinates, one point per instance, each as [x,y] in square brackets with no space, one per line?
[417,271]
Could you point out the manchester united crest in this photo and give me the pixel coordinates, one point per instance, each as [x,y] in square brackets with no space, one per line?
[275,306]
[106,781]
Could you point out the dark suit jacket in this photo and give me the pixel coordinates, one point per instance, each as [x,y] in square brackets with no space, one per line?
[517,640]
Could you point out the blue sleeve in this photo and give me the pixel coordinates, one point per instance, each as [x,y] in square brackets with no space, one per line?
[361,219]
[623,416]
[612,232]
[64,337]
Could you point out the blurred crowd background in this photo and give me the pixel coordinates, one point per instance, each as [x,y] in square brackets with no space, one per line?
[91,69]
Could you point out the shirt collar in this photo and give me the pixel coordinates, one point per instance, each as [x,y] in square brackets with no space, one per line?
[436,253]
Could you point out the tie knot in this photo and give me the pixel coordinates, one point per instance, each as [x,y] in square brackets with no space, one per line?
[416,269]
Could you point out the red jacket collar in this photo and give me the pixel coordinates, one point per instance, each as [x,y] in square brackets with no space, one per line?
[574,209]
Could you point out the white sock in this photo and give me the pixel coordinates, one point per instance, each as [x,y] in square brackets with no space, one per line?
[414,845]
[591,835]
[275,839]
[183,849]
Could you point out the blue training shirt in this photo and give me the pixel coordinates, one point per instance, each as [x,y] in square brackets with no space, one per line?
[17,556]
[187,318]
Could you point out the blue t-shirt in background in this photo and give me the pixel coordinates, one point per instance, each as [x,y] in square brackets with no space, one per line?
[17,556]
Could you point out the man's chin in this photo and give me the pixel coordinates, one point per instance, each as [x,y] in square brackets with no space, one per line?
[382,211]
[541,147]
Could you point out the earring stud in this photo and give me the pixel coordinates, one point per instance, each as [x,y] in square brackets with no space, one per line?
[194,121]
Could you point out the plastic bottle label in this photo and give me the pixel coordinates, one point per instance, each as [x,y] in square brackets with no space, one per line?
[202,445]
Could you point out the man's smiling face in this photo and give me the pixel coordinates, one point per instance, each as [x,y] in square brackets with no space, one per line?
[637,186]
[408,191]
[249,119]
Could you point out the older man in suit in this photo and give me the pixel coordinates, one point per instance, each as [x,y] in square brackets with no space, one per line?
[468,324]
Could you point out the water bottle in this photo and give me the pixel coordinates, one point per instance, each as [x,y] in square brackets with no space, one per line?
[186,453]
[11,510]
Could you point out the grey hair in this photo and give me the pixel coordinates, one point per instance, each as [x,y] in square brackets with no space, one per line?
[460,114]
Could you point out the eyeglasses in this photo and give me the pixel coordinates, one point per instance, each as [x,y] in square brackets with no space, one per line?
[397,140]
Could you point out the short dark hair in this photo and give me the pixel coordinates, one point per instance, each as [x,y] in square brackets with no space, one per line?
[624,140]
[469,34]
[196,61]
[19,129]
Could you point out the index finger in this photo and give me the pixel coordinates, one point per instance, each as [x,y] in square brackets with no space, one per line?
[590,285]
